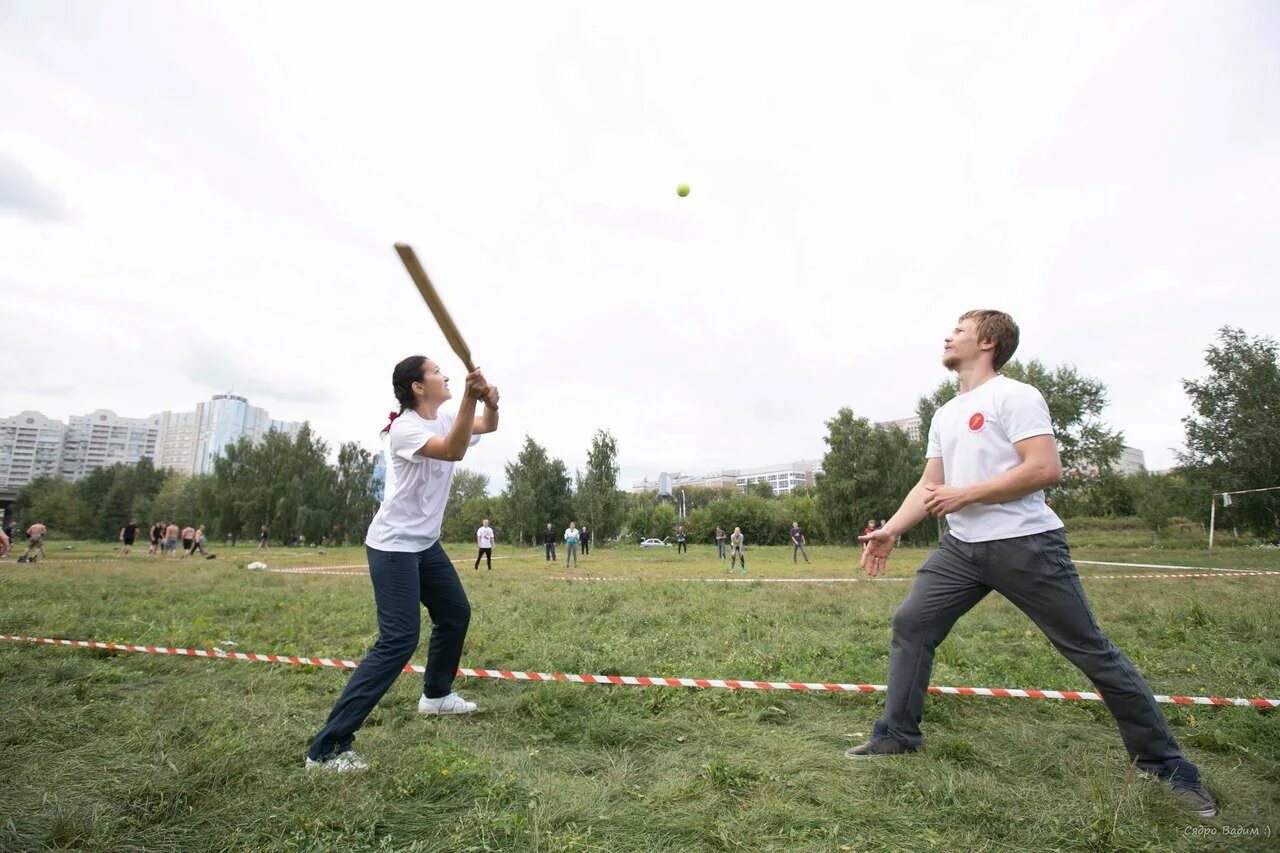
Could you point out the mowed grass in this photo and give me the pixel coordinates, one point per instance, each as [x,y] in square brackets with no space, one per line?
[118,751]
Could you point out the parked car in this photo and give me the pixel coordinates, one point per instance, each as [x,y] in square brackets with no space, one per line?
[654,543]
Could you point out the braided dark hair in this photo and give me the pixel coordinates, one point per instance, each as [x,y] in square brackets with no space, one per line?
[406,373]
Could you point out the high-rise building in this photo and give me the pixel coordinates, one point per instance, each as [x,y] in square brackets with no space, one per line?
[103,438]
[225,420]
[176,446]
[781,478]
[911,426]
[30,447]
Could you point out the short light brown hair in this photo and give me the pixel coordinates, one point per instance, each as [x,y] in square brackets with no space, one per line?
[999,327]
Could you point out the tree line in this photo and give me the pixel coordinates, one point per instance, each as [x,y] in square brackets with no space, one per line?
[1232,442]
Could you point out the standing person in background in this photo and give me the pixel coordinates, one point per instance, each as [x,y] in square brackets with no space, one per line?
[127,535]
[797,542]
[484,541]
[681,547]
[9,527]
[188,540]
[720,537]
[871,528]
[156,535]
[737,550]
[571,545]
[262,538]
[171,539]
[586,541]
[549,541]
[197,541]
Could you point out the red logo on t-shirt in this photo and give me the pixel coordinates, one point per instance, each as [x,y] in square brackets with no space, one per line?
[977,421]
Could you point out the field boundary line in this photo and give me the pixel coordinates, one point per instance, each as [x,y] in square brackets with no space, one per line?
[640,681]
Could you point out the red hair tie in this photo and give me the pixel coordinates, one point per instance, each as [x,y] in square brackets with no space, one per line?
[391,418]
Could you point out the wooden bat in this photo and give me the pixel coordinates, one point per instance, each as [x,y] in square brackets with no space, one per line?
[435,303]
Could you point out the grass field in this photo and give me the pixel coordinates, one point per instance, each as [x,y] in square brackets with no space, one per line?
[118,751]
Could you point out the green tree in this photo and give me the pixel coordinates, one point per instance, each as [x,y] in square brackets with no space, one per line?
[537,492]
[52,501]
[598,501]
[353,501]
[763,520]
[1233,433]
[468,494]
[867,471]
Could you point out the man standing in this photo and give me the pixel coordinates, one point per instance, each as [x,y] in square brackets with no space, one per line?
[156,535]
[484,541]
[720,536]
[197,542]
[991,453]
[171,539]
[127,534]
[549,540]
[681,547]
[797,542]
[188,540]
[586,541]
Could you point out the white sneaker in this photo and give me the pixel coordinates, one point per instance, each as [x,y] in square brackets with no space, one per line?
[451,704]
[343,762]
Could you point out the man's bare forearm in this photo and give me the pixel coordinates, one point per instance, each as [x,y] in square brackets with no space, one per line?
[911,513]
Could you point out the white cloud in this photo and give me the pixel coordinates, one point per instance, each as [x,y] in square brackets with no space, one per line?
[229,183]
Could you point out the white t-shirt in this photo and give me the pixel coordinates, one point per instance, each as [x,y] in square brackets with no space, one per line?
[973,434]
[416,488]
[484,537]
[571,534]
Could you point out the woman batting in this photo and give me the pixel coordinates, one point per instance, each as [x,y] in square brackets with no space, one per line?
[407,564]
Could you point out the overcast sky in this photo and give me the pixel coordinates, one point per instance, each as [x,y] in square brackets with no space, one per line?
[202,198]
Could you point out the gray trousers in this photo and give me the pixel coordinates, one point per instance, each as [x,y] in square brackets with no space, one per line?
[1037,575]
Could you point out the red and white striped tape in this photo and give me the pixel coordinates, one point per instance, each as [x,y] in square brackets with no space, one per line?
[645,681]
[1155,566]
[1162,576]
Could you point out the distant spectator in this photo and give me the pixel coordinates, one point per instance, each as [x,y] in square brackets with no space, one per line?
[35,542]
[197,543]
[586,541]
[549,540]
[156,535]
[171,539]
[681,546]
[737,550]
[262,538]
[127,534]
[484,544]
[797,542]
[571,537]
[720,537]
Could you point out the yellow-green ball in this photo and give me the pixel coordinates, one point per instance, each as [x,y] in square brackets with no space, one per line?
[682,190]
